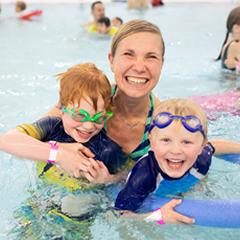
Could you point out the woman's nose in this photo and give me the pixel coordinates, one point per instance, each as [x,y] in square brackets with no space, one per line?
[139,65]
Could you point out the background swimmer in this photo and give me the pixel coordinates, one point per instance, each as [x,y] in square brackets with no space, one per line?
[97,11]
[138,4]
[230,51]
[104,26]
[116,22]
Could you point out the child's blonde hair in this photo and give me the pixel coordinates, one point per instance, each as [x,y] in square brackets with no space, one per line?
[183,107]
[82,81]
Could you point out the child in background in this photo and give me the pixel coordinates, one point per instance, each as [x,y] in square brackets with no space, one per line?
[230,51]
[178,134]
[116,22]
[84,112]
[20,6]
[104,26]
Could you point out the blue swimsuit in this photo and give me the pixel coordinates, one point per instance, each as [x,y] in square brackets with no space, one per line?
[146,177]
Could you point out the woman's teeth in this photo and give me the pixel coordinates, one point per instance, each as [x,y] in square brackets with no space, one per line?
[136,80]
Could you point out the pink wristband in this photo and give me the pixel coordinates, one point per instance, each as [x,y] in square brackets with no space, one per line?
[53,152]
[160,222]
[155,216]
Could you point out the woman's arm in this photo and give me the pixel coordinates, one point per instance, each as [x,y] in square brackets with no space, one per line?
[225,146]
[72,158]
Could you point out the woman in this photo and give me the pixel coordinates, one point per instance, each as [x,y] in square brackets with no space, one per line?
[230,51]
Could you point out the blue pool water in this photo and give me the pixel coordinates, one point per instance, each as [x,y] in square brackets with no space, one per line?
[33,52]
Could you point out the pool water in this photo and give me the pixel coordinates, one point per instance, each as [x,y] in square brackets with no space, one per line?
[32,53]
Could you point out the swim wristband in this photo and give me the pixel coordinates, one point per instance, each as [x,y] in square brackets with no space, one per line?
[155,216]
[53,152]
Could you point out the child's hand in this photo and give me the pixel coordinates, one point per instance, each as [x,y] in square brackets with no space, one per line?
[98,173]
[169,215]
[73,158]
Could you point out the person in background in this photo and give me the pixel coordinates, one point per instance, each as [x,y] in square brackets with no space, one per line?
[230,51]
[116,22]
[98,11]
[22,14]
[20,6]
[138,4]
[178,134]
[104,26]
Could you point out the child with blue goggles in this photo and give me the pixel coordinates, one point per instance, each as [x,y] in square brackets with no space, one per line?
[173,165]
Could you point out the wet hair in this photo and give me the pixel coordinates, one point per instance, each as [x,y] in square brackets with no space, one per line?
[233,18]
[183,107]
[95,3]
[134,26]
[84,81]
[104,20]
[22,5]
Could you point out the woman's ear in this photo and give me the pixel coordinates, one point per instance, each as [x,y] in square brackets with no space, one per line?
[110,59]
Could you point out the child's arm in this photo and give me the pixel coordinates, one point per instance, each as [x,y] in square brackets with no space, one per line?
[225,147]
[165,214]
[98,173]
[141,182]
[70,157]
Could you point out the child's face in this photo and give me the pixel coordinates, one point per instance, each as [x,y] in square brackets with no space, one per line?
[175,148]
[102,28]
[83,131]
[116,23]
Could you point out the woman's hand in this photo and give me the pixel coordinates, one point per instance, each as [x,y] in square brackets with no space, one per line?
[169,215]
[73,158]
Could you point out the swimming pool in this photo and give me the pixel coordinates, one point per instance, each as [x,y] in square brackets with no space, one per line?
[33,52]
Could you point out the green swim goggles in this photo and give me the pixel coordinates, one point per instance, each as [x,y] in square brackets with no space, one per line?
[83,116]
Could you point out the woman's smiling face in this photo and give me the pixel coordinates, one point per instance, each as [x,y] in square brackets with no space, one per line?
[137,63]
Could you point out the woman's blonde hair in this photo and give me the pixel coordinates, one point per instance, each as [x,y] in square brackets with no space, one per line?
[183,107]
[82,81]
[132,27]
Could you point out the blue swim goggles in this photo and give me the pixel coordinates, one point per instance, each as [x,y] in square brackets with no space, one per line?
[190,122]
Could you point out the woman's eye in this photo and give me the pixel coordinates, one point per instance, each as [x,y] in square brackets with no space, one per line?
[153,56]
[127,54]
